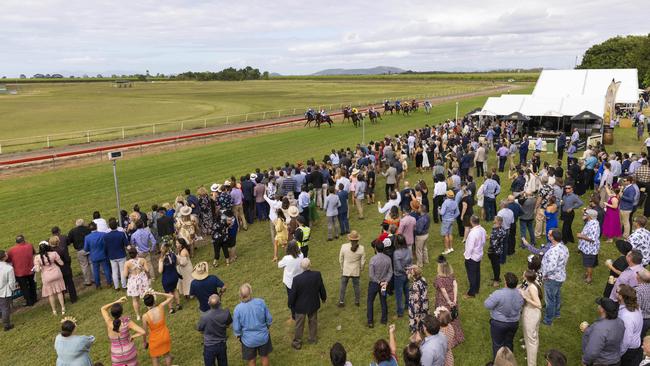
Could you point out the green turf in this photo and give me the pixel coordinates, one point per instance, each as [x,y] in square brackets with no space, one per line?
[32,204]
[66,112]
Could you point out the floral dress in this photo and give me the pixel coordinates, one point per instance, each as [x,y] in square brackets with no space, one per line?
[205,214]
[447,283]
[448,331]
[418,303]
[137,284]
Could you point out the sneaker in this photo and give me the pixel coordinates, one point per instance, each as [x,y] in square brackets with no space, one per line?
[451,250]
[341,305]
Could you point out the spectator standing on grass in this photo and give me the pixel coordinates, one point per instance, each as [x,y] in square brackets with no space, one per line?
[290,264]
[473,255]
[7,286]
[553,269]
[145,244]
[640,238]
[601,341]
[101,224]
[402,259]
[94,245]
[47,262]
[629,275]
[531,314]
[448,213]
[115,243]
[135,270]
[251,322]
[589,243]
[307,292]
[21,257]
[342,216]
[643,299]
[421,233]
[380,272]
[214,326]
[72,349]
[434,344]
[352,258]
[77,235]
[498,240]
[59,244]
[164,224]
[632,317]
[570,202]
[205,285]
[505,309]
[331,207]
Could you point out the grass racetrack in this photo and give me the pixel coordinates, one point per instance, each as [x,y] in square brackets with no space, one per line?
[72,109]
[34,203]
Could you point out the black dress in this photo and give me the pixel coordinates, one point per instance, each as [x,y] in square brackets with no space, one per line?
[581,185]
[169,274]
[418,159]
[425,199]
[620,264]
[469,212]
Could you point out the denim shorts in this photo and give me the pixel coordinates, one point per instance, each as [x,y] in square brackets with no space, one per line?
[445,227]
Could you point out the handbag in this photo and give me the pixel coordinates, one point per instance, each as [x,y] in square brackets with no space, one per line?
[454,312]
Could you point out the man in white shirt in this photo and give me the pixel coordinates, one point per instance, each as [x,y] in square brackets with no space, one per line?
[539,144]
[102,226]
[7,286]
[395,199]
[334,158]
[473,254]
[575,136]
[411,144]
[345,181]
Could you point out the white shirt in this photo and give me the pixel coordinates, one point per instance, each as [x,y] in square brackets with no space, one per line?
[440,189]
[346,183]
[538,144]
[291,267]
[274,205]
[575,136]
[411,142]
[334,158]
[7,280]
[389,204]
[102,227]
[647,142]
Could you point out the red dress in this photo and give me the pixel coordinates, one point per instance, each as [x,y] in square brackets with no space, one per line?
[448,284]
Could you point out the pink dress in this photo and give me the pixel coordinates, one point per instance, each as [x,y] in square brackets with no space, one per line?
[612,222]
[51,275]
[448,284]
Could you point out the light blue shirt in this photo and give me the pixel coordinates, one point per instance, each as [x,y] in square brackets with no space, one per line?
[491,189]
[141,239]
[434,350]
[505,305]
[251,322]
[449,210]
[73,350]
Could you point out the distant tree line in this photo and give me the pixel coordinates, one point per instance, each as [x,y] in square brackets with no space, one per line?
[229,74]
[631,52]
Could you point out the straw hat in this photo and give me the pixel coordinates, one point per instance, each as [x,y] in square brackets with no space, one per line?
[186,211]
[293,211]
[355,171]
[253,176]
[227,183]
[354,235]
[215,187]
[450,194]
[200,271]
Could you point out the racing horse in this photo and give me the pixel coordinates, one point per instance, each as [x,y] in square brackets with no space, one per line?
[427,107]
[388,108]
[415,105]
[374,116]
[310,116]
[320,119]
[347,114]
[357,118]
[407,109]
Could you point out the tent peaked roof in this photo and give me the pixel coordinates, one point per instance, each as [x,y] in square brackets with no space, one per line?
[516,116]
[588,83]
[586,115]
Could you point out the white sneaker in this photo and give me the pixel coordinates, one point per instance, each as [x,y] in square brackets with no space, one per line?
[445,252]
[450,250]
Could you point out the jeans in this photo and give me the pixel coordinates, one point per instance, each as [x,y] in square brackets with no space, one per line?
[117,267]
[527,225]
[401,284]
[553,300]
[473,269]
[344,224]
[5,309]
[261,209]
[437,202]
[374,289]
[344,286]
[216,352]
[502,162]
[248,211]
[479,169]
[490,208]
[502,334]
[107,272]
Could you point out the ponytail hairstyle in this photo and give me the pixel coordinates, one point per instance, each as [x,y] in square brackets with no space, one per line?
[116,313]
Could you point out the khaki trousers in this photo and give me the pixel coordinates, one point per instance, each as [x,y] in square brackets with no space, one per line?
[625,219]
[540,222]
[359,204]
[238,211]
[300,326]
[421,251]
[530,318]
[86,267]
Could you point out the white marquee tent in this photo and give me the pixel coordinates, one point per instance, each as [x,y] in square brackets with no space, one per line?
[568,92]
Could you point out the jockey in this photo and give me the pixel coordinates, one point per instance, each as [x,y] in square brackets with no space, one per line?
[323,113]
[371,110]
[310,112]
[397,103]
[354,110]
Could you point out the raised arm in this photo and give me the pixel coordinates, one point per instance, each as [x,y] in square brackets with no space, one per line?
[392,342]
[168,298]
[104,310]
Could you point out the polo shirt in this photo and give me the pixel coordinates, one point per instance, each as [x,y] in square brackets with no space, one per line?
[21,256]
[203,289]
[214,324]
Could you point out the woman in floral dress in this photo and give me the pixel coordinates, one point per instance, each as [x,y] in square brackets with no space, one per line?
[447,295]
[444,317]
[418,298]
[135,270]
[205,211]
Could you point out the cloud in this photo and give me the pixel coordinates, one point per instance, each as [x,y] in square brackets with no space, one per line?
[288,36]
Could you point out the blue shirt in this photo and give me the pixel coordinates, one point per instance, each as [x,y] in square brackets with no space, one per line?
[422,225]
[193,202]
[94,244]
[590,163]
[203,289]
[491,188]
[251,322]
[141,239]
[449,210]
[505,305]
[115,243]
[434,350]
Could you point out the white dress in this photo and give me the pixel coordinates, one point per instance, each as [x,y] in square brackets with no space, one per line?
[425,156]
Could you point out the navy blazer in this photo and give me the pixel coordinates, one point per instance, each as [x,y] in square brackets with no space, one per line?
[306,293]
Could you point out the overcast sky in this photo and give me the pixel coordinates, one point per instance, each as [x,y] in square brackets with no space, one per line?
[303,36]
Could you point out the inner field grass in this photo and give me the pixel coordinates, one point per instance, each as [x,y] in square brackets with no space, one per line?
[34,203]
[45,109]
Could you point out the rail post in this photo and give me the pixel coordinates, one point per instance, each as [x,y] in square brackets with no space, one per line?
[0,148]
[87,136]
[294,111]
[182,125]
[205,122]
[123,135]
[48,142]
[246,117]
[154,130]
[227,119]
[264,116]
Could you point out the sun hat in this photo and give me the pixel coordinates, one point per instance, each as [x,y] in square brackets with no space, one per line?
[253,176]
[387,242]
[186,211]
[293,211]
[215,187]
[354,235]
[355,171]
[593,214]
[200,271]
[450,194]
[227,183]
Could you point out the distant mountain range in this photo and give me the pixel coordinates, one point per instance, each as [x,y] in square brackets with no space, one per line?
[379,70]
